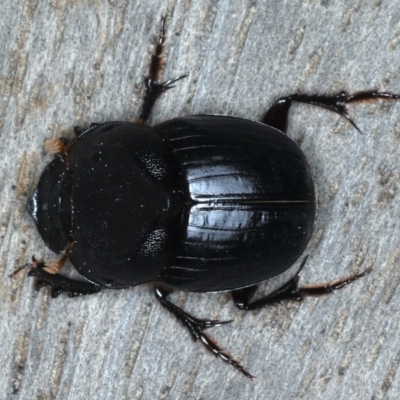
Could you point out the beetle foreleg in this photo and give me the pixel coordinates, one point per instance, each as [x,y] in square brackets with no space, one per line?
[292,291]
[59,283]
[277,115]
[196,327]
[47,274]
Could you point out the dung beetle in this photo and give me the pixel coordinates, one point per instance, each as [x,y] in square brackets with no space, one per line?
[200,203]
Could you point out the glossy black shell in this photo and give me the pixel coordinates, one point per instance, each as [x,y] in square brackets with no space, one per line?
[200,203]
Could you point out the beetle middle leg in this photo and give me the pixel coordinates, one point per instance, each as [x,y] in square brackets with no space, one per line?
[291,291]
[196,327]
[277,115]
[154,89]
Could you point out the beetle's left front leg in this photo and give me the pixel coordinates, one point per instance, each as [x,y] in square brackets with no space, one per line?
[291,291]
[196,327]
[48,274]
[59,283]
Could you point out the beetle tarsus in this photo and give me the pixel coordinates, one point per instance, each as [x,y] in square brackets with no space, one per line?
[277,115]
[292,291]
[322,288]
[156,58]
[196,327]
[214,348]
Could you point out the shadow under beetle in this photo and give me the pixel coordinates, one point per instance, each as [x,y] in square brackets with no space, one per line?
[199,203]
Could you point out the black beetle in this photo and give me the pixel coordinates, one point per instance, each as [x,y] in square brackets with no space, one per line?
[198,203]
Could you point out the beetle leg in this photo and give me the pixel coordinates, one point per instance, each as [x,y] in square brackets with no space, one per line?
[153,92]
[292,291]
[242,297]
[277,115]
[322,288]
[154,89]
[196,327]
[59,283]
[47,274]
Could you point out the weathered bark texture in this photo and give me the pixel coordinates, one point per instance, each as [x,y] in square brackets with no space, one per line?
[66,63]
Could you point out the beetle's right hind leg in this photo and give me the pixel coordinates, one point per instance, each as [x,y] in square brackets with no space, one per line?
[277,115]
[291,291]
[196,327]
[153,90]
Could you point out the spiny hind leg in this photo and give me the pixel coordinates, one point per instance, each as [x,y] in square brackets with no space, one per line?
[277,115]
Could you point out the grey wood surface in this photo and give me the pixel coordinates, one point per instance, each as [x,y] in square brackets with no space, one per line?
[66,63]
